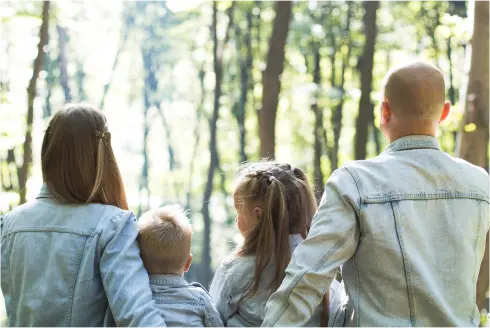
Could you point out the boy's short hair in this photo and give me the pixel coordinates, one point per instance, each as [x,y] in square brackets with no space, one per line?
[165,239]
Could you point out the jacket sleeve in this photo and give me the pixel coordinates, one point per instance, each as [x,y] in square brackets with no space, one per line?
[332,240]
[124,277]
[221,292]
[212,317]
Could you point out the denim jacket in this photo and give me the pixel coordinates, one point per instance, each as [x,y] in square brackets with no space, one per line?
[231,281]
[182,304]
[74,265]
[409,228]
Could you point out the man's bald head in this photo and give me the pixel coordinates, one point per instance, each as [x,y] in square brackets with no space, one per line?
[415,92]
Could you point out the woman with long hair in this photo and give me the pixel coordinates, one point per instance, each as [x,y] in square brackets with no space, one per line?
[70,257]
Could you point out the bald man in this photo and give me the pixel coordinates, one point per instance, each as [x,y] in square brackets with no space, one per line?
[408,227]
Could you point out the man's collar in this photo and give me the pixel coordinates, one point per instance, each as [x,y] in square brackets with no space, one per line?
[413,142]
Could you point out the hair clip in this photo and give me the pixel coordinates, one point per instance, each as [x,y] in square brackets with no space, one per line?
[272,178]
[105,136]
[293,168]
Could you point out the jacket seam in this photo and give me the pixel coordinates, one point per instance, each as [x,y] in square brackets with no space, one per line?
[358,187]
[476,269]
[59,230]
[12,298]
[424,196]
[72,289]
[406,267]
[358,293]
[207,313]
[316,267]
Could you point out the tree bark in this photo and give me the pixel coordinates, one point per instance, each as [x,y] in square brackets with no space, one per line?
[366,107]
[272,79]
[63,62]
[245,62]
[197,134]
[473,145]
[213,163]
[318,129]
[31,95]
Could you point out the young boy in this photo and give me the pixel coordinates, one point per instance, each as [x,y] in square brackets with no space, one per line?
[165,242]
[408,227]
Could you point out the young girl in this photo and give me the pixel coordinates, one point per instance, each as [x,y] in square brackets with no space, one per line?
[70,257]
[275,205]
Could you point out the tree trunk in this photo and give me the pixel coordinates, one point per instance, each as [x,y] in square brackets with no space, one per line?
[63,62]
[150,88]
[318,129]
[213,163]
[451,92]
[197,135]
[337,113]
[50,80]
[31,95]
[128,21]
[272,79]
[473,145]
[245,63]
[366,107]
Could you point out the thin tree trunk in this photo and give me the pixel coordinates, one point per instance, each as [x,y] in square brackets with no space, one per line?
[80,79]
[474,137]
[366,107]
[318,129]
[245,74]
[63,62]
[337,113]
[197,135]
[50,83]
[213,163]
[166,128]
[128,21]
[31,95]
[272,79]
[451,92]
[149,90]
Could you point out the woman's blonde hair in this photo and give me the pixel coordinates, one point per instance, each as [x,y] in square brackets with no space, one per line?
[77,160]
[288,205]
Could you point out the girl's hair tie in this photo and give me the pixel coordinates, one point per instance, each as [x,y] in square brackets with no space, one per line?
[272,178]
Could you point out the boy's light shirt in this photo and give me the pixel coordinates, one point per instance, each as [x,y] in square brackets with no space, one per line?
[182,304]
[409,228]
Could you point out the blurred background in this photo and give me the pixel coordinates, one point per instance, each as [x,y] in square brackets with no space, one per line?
[193,89]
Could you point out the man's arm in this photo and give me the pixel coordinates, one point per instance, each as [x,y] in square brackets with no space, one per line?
[332,240]
[482,283]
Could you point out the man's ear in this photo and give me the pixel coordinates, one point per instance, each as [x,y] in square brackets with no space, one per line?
[258,212]
[385,112]
[445,111]
[188,263]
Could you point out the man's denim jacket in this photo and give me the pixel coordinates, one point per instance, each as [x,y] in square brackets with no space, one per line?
[74,265]
[408,227]
[182,304]
[232,280]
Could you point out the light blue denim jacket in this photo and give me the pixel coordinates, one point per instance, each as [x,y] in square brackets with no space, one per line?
[232,280]
[409,227]
[182,304]
[74,265]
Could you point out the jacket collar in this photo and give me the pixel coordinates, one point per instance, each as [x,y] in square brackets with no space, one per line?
[413,142]
[167,279]
[46,193]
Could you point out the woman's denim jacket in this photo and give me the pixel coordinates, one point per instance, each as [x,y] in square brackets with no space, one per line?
[232,280]
[409,228]
[74,265]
